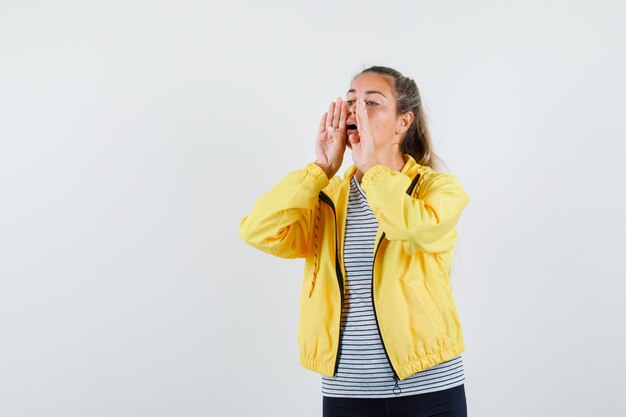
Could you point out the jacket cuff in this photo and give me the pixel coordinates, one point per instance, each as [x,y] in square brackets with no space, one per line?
[318,175]
[373,174]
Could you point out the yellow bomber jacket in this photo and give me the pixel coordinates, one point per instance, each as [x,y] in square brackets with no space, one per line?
[417,208]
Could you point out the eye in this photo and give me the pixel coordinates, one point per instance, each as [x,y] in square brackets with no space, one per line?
[371,103]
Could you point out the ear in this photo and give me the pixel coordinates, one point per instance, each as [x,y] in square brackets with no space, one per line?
[404,122]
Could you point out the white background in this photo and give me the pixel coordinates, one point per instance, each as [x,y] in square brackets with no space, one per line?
[134,135]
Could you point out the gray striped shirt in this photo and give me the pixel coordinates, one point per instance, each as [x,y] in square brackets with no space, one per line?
[363,370]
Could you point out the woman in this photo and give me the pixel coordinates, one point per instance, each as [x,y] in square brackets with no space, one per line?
[377,316]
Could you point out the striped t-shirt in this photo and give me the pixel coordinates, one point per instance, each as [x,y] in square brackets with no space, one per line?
[364,370]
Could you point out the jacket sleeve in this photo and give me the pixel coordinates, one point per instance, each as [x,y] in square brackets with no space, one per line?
[280,220]
[425,224]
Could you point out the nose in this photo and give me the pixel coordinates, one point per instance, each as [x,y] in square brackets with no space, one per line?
[352,108]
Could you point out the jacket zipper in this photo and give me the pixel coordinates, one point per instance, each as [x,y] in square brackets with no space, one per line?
[395,374]
[409,191]
[339,274]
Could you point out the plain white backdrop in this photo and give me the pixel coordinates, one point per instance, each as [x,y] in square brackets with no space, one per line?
[134,136]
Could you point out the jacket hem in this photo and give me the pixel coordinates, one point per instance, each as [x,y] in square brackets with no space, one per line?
[405,369]
[418,364]
[326,368]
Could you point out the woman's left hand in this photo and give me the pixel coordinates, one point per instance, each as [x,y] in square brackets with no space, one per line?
[363,150]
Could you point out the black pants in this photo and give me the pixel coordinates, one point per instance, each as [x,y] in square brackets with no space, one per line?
[445,403]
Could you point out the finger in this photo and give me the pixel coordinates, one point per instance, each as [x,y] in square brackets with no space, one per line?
[344,115]
[361,117]
[337,112]
[322,125]
[329,116]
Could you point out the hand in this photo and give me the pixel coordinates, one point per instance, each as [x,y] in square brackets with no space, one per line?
[362,145]
[330,144]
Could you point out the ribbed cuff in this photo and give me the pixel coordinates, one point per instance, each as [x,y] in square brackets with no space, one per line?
[372,174]
[318,175]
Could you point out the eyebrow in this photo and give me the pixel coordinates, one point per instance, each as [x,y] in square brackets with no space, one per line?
[352,90]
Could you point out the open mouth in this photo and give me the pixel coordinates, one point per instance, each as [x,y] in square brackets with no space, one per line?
[351,128]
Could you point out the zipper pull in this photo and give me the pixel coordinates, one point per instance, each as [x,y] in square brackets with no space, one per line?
[396,386]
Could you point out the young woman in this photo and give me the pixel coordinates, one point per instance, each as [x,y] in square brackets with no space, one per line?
[377,315]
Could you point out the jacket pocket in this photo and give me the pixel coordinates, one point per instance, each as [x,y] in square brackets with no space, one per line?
[429,304]
[441,265]
[312,280]
[316,248]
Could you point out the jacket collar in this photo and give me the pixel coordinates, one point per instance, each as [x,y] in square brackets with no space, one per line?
[410,168]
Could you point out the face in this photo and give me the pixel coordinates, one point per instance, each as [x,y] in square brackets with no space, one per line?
[388,128]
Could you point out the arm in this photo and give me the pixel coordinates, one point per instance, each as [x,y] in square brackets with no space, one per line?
[424,224]
[280,220]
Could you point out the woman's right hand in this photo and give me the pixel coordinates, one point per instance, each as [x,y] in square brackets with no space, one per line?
[330,144]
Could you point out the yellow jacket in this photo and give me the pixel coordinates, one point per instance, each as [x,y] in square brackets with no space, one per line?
[304,215]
